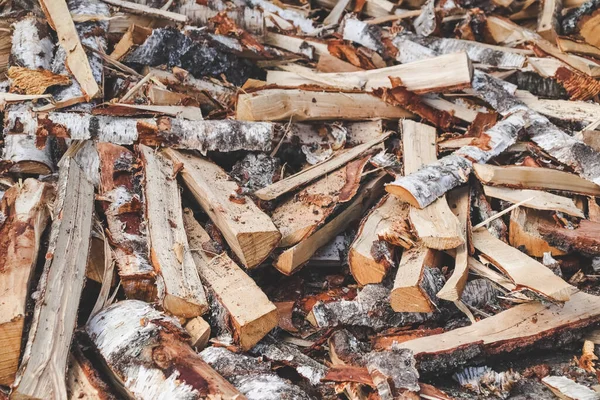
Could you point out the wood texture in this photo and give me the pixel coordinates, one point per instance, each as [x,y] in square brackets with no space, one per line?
[541,200]
[44,362]
[24,209]
[251,314]
[249,231]
[179,288]
[523,233]
[585,238]
[523,270]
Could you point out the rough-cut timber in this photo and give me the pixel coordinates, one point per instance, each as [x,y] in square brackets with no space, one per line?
[147,354]
[521,177]
[518,328]
[424,186]
[122,193]
[179,288]
[524,233]
[435,225]
[371,254]
[568,389]
[44,361]
[24,214]
[214,135]
[570,23]
[250,313]
[83,380]
[309,174]
[452,71]
[548,26]
[585,238]
[76,60]
[141,9]
[563,147]
[302,214]
[524,271]
[250,232]
[253,377]
[308,105]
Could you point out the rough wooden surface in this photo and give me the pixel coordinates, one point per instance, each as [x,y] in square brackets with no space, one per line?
[44,362]
[524,233]
[249,231]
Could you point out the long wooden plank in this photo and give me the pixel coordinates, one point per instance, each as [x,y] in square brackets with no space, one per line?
[451,71]
[516,328]
[539,200]
[309,174]
[249,231]
[44,361]
[308,105]
[523,270]
[251,313]
[59,18]
[535,178]
[25,210]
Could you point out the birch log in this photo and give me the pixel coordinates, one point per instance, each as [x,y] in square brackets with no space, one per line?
[179,288]
[44,362]
[124,207]
[24,212]
[147,354]
[247,229]
[563,147]
[424,186]
[250,313]
[213,135]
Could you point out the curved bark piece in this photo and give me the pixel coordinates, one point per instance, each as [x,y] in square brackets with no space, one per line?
[42,372]
[24,212]
[147,353]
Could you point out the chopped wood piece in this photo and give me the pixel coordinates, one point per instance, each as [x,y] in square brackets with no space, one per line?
[221,135]
[309,174]
[24,215]
[251,314]
[535,178]
[250,232]
[34,81]
[371,254]
[548,26]
[424,186]
[583,239]
[302,214]
[199,331]
[124,208]
[435,225]
[412,291]
[568,389]
[253,377]
[452,71]
[123,109]
[567,45]
[294,257]
[142,9]
[44,361]
[523,270]
[524,234]
[76,60]
[570,23]
[250,19]
[83,381]
[147,354]
[589,29]
[458,200]
[541,200]
[179,288]
[517,328]
[305,105]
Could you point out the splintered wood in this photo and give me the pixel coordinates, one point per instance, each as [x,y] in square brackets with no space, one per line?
[326,199]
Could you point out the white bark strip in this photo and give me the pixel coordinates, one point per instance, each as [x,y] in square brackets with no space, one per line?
[565,148]
[421,188]
[147,353]
[213,135]
[179,287]
[42,372]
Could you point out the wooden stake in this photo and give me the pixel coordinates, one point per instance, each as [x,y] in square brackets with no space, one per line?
[59,18]
[251,314]
[44,362]
[249,231]
[179,290]
[24,209]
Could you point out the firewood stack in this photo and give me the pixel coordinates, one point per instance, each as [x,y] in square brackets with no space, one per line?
[319,199]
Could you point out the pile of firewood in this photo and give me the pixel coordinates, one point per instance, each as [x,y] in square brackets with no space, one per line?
[320,199]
